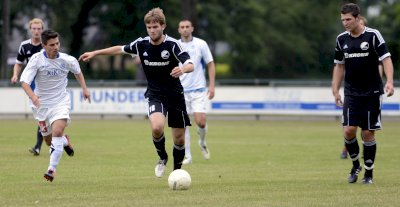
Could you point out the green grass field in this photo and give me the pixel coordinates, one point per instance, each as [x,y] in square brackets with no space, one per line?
[253,163]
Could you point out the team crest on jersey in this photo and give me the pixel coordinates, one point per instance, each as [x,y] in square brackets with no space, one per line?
[364,45]
[165,54]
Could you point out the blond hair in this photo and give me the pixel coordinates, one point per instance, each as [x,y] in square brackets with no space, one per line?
[36,21]
[155,15]
[362,18]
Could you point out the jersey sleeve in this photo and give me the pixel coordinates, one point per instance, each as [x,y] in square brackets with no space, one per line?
[181,54]
[21,55]
[206,53]
[132,48]
[74,66]
[29,73]
[339,55]
[380,46]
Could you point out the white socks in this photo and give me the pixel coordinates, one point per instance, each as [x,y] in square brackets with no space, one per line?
[188,154]
[202,139]
[56,151]
[65,141]
[202,135]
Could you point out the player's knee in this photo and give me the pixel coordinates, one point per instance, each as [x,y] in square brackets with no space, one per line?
[201,124]
[200,120]
[179,140]
[157,128]
[47,139]
[58,132]
[157,131]
[349,133]
[368,136]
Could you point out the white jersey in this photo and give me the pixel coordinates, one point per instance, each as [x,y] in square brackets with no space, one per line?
[201,55]
[51,76]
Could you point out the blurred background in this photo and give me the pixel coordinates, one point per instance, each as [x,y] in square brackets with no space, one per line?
[253,41]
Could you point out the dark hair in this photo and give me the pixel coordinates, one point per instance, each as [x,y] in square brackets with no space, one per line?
[184,20]
[354,9]
[48,34]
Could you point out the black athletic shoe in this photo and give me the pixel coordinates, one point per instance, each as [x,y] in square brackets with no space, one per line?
[353,176]
[367,180]
[34,151]
[69,149]
[49,176]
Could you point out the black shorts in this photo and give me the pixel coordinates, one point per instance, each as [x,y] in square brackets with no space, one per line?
[176,118]
[362,111]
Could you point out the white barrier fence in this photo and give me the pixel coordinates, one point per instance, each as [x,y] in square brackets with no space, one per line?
[228,100]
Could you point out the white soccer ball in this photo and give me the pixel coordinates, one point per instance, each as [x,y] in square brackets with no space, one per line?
[179,179]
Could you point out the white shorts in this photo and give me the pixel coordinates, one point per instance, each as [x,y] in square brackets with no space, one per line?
[196,101]
[46,116]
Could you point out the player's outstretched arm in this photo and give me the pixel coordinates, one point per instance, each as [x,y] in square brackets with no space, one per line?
[115,50]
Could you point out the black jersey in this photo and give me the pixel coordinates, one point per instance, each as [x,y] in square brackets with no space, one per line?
[361,56]
[158,62]
[26,50]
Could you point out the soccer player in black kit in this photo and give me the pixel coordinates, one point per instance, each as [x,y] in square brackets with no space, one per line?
[160,56]
[357,55]
[26,49]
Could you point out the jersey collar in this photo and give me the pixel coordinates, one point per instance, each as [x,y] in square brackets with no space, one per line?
[45,54]
[191,40]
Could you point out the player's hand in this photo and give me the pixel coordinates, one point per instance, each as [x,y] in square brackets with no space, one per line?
[211,93]
[176,72]
[36,101]
[86,95]
[14,79]
[86,56]
[338,100]
[389,89]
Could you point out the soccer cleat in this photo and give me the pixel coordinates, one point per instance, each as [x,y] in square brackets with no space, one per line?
[343,155]
[353,176]
[34,151]
[68,148]
[160,168]
[49,176]
[205,152]
[367,180]
[187,161]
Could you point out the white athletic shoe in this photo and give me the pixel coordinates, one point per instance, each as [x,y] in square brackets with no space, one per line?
[187,161]
[205,152]
[160,168]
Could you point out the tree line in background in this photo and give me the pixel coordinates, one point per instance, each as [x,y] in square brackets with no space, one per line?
[265,39]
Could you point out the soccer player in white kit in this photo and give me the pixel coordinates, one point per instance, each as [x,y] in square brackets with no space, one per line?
[50,100]
[195,86]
